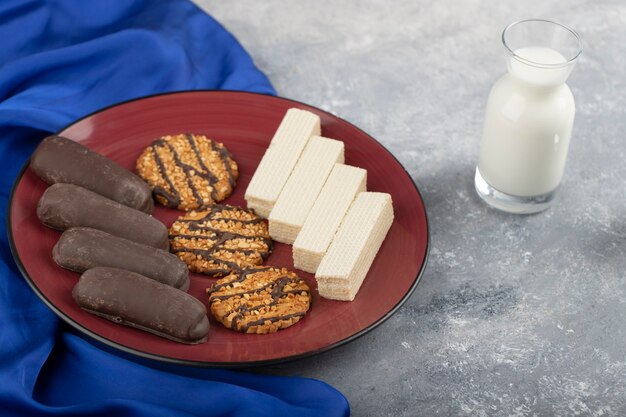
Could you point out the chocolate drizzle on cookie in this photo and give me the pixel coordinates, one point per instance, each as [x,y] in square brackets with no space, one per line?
[255,300]
[225,156]
[191,171]
[242,275]
[172,199]
[218,245]
[215,209]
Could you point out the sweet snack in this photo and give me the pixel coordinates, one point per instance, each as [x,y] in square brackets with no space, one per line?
[58,159]
[259,300]
[134,300]
[352,251]
[63,206]
[220,239]
[303,186]
[280,158]
[188,171]
[81,248]
[332,204]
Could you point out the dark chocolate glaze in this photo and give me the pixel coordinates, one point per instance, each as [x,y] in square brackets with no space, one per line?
[243,274]
[196,151]
[187,169]
[208,252]
[226,157]
[218,208]
[81,248]
[218,232]
[61,160]
[197,224]
[278,291]
[63,206]
[172,198]
[134,300]
[209,175]
[245,328]
[240,294]
[264,254]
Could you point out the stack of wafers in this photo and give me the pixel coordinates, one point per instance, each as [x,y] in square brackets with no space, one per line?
[320,205]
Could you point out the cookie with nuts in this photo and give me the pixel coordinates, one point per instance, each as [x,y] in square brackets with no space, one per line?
[220,239]
[188,171]
[259,300]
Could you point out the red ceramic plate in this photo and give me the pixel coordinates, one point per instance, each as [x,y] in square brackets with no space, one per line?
[245,123]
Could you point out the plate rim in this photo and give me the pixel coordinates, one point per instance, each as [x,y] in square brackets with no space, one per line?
[186,362]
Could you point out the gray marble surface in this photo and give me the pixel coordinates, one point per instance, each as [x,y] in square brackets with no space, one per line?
[515,315]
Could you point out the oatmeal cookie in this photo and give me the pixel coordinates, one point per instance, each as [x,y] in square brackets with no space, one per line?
[220,239]
[188,171]
[259,300]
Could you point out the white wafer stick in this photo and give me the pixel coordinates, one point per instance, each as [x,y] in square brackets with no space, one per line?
[281,157]
[332,204]
[303,186]
[352,251]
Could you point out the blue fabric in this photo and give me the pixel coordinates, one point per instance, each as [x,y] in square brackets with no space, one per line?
[60,60]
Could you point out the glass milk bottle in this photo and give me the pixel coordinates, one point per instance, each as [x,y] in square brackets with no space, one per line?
[529,118]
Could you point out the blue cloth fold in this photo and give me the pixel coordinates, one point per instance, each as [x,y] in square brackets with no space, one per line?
[63,59]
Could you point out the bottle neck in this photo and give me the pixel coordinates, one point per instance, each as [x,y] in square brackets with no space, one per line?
[537,77]
[533,86]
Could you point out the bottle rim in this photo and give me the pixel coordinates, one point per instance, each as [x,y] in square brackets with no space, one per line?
[526,61]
